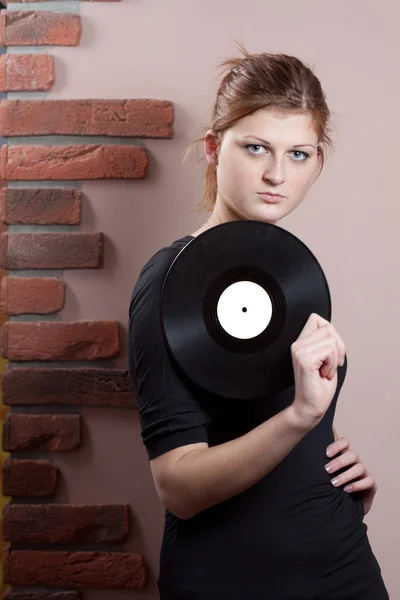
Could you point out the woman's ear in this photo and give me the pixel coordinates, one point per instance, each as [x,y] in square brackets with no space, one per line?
[210,147]
[320,161]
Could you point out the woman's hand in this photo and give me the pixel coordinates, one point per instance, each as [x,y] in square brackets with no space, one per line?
[356,478]
[316,355]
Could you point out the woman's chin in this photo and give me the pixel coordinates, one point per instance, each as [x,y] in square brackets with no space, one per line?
[270,214]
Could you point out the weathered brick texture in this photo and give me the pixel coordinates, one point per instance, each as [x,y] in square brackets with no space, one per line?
[51,250]
[77,386]
[30,478]
[31,295]
[60,340]
[65,523]
[38,595]
[121,570]
[39,28]
[91,161]
[40,207]
[136,118]
[36,433]
[26,72]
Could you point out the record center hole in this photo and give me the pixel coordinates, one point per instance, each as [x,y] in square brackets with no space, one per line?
[244,309]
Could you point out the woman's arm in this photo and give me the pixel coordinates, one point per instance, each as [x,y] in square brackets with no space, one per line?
[191,478]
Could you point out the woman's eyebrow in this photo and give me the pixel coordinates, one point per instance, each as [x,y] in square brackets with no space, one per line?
[254,137]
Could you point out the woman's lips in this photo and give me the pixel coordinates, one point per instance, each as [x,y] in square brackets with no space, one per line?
[271,198]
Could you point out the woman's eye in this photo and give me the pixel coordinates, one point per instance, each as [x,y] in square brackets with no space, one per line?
[304,154]
[257,150]
[256,147]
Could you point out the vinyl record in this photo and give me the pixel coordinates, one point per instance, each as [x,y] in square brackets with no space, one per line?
[234,300]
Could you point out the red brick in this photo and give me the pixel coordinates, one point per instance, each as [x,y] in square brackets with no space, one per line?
[76,386]
[3,27]
[65,523]
[60,340]
[26,72]
[33,433]
[35,595]
[40,207]
[31,478]
[51,251]
[31,295]
[3,158]
[92,161]
[3,85]
[135,118]
[40,28]
[121,570]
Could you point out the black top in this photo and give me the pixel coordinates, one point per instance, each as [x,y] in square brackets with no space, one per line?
[292,535]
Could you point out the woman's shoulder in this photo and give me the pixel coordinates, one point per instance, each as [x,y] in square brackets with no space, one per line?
[153,272]
[165,255]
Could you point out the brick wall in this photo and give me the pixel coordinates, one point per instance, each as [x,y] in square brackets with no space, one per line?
[64,547]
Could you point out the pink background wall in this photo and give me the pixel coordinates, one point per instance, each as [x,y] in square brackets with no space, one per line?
[169,50]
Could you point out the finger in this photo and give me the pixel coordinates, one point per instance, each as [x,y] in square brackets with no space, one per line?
[315,360]
[361,485]
[337,446]
[314,344]
[351,474]
[342,348]
[324,331]
[313,323]
[347,458]
[329,368]
[336,364]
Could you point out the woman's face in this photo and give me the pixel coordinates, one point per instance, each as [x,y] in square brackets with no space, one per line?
[267,151]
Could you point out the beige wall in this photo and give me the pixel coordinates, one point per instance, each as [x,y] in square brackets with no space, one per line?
[168,50]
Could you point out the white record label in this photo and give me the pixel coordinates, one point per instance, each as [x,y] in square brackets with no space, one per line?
[244,309]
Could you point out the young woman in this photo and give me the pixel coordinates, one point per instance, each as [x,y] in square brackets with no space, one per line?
[255,508]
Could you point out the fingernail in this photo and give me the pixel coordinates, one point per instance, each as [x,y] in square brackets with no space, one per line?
[328,452]
[329,467]
[336,480]
[348,488]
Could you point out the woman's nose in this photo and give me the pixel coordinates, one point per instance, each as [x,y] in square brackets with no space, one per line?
[275,172]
